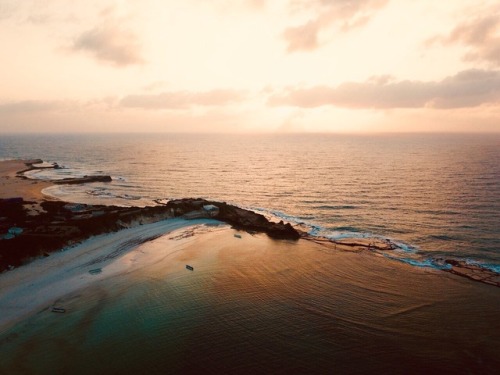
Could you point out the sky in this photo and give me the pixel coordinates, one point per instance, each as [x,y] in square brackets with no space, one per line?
[343,66]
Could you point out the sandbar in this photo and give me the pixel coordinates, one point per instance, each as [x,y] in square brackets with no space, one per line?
[39,284]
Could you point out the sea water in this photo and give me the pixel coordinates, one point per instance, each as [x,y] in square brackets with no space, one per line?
[278,306]
[436,194]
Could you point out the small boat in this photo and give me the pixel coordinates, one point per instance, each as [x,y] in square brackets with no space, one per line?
[95,271]
[237,235]
[58,310]
[189,267]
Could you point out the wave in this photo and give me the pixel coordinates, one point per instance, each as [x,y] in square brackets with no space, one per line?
[444,237]
[341,207]
[489,266]
[400,252]
[424,263]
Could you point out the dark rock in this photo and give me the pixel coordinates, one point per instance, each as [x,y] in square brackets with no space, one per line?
[238,217]
[453,262]
[83,180]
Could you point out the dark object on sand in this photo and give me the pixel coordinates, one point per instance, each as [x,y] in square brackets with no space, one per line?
[58,310]
[189,267]
[95,271]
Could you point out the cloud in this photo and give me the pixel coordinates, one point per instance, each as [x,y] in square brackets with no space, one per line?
[466,89]
[7,8]
[34,106]
[346,14]
[182,99]
[110,40]
[302,38]
[155,85]
[481,34]
[38,107]
[110,43]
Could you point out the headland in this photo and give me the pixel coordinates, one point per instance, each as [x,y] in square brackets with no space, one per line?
[33,225]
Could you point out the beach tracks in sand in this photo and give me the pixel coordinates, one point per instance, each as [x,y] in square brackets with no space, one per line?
[121,248]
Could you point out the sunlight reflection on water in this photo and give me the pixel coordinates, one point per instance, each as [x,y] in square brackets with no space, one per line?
[440,193]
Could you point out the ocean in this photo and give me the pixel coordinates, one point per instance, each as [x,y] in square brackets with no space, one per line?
[435,194]
[278,306]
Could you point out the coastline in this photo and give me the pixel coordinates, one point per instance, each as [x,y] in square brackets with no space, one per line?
[13,186]
[49,224]
[32,226]
[115,232]
[62,264]
[359,293]
[39,284]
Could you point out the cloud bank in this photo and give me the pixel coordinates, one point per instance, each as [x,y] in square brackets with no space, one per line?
[470,88]
[34,106]
[183,99]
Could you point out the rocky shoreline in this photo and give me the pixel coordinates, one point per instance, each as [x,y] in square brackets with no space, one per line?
[26,234]
[39,164]
[63,224]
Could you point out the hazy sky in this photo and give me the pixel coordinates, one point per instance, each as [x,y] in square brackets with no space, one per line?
[249,65]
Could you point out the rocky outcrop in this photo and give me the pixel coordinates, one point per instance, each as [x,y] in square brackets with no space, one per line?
[472,271]
[83,180]
[61,224]
[36,164]
[238,217]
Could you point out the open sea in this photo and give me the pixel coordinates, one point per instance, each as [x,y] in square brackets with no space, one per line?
[437,195]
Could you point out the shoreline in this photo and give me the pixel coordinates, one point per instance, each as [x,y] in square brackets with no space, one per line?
[32,225]
[30,190]
[49,225]
[38,285]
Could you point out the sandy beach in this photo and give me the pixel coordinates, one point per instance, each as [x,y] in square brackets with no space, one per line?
[12,186]
[39,284]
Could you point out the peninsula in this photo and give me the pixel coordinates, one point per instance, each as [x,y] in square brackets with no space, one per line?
[33,226]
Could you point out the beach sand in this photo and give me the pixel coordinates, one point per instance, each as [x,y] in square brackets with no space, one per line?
[12,186]
[39,284]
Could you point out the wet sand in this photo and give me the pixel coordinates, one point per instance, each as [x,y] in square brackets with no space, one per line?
[12,186]
[37,285]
